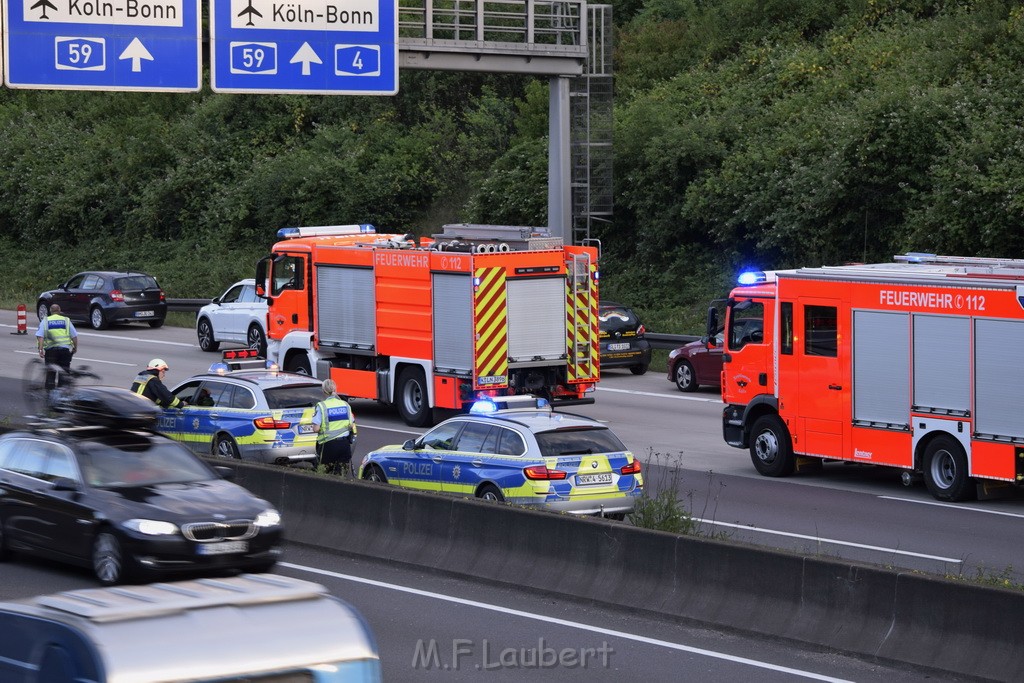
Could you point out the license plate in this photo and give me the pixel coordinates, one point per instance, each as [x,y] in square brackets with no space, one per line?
[602,478]
[618,347]
[222,548]
[143,314]
[307,429]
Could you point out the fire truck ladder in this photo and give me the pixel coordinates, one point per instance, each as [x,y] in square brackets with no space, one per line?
[580,310]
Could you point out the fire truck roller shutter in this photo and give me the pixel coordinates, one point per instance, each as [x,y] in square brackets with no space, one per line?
[345,306]
[453,322]
[536,318]
[881,368]
[942,363]
[1000,401]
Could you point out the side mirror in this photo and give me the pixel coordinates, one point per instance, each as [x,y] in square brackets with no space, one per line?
[712,324]
[261,276]
[215,300]
[409,445]
[66,484]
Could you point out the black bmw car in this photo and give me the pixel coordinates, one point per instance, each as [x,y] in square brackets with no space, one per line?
[103,298]
[107,492]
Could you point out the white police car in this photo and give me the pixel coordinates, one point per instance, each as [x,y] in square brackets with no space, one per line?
[517,449]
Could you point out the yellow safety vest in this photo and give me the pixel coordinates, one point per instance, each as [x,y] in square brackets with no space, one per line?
[335,420]
[57,332]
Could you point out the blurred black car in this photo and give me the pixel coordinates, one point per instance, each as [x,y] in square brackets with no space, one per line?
[109,493]
[622,339]
[102,298]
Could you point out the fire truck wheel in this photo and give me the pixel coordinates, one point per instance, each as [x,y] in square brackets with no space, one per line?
[299,364]
[686,379]
[413,405]
[945,470]
[770,448]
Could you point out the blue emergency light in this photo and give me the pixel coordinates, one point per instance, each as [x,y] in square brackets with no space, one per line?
[219,368]
[752,277]
[483,407]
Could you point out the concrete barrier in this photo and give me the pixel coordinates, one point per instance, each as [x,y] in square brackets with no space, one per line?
[870,611]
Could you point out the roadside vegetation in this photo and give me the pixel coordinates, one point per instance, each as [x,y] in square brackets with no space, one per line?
[748,133]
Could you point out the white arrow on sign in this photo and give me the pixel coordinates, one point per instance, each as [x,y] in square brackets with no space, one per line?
[305,55]
[136,52]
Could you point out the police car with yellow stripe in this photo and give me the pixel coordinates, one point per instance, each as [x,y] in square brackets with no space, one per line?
[516,449]
[262,415]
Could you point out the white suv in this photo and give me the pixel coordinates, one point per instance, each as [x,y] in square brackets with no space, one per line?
[237,315]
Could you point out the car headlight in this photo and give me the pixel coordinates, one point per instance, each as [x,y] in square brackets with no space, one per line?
[674,352]
[152,527]
[268,518]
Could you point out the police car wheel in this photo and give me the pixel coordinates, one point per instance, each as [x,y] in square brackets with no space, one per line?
[490,492]
[375,473]
[225,447]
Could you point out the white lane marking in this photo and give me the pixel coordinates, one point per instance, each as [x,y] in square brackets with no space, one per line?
[954,507]
[656,394]
[91,360]
[564,622]
[832,541]
[109,337]
[388,429]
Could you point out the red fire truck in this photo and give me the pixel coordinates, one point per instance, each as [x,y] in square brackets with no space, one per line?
[434,322]
[910,364]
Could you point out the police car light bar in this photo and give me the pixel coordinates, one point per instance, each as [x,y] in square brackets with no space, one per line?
[325,230]
[493,404]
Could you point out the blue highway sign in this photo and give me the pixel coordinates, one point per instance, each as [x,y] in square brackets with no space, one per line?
[151,45]
[337,47]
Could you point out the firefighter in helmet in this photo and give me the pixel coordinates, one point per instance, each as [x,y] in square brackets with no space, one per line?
[150,383]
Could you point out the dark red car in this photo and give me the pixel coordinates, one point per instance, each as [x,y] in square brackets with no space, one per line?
[699,363]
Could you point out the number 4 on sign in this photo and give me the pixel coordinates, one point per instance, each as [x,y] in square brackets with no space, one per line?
[304,56]
[136,52]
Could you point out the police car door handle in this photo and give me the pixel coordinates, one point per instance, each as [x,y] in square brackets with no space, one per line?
[436,458]
[214,416]
[478,462]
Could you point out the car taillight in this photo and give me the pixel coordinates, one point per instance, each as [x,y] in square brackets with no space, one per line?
[162,295]
[271,423]
[631,468]
[116,295]
[640,331]
[542,472]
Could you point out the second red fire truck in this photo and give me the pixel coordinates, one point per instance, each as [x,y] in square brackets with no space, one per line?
[910,364]
[434,322]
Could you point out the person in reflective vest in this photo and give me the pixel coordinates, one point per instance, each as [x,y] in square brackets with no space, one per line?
[57,340]
[149,383]
[336,431]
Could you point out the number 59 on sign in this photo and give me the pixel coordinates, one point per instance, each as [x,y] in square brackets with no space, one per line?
[253,58]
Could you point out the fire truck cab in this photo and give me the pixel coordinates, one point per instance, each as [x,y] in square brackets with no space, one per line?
[434,322]
[906,364]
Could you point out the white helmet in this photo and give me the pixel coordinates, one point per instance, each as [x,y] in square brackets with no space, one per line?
[157,364]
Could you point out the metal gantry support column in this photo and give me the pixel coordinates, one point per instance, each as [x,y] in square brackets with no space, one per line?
[559,159]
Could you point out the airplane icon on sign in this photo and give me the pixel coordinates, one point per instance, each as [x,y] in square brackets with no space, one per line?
[249,10]
[45,4]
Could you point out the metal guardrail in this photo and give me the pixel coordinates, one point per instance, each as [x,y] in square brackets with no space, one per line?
[192,305]
[669,341]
